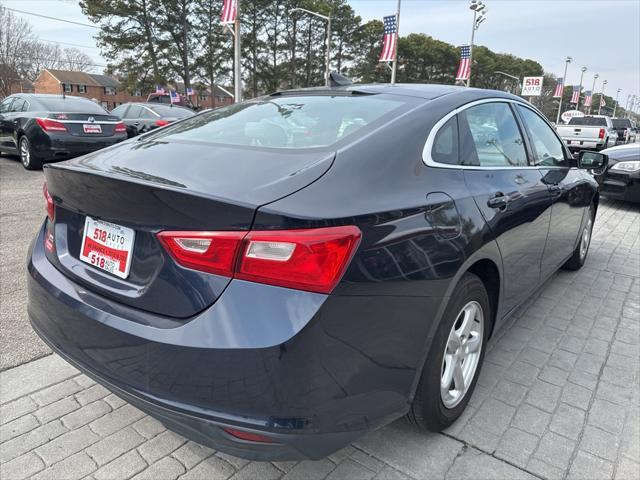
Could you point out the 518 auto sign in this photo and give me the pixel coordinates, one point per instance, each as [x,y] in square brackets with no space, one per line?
[532,86]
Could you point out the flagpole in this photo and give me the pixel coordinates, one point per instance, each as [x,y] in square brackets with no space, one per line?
[615,105]
[395,47]
[593,91]
[601,96]
[564,82]
[236,56]
[583,69]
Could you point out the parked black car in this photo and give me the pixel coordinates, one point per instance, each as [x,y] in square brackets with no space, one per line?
[44,128]
[143,117]
[278,277]
[626,130]
[621,180]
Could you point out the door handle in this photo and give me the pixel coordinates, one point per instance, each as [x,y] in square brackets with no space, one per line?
[555,189]
[498,200]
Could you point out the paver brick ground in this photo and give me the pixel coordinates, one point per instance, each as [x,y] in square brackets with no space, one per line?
[558,396]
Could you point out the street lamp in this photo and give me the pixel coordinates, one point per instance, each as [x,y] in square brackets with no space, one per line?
[564,82]
[604,84]
[615,105]
[583,69]
[593,90]
[479,15]
[326,18]
[517,79]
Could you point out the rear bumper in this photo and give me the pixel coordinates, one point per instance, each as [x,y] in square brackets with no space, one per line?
[621,186]
[326,371]
[61,147]
[585,144]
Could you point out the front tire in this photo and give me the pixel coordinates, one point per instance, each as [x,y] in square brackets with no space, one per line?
[455,359]
[27,157]
[582,249]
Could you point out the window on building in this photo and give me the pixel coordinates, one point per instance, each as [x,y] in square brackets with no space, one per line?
[137,93]
[203,98]
[82,89]
[67,87]
[105,105]
[109,91]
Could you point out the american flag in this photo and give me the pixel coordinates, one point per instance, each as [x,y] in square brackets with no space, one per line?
[174,96]
[602,102]
[388,53]
[587,98]
[464,70]
[575,97]
[559,88]
[189,92]
[159,90]
[229,10]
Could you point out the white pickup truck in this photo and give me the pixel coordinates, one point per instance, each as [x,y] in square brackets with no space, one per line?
[591,132]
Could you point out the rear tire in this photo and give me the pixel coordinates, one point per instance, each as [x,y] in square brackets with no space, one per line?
[582,249]
[27,157]
[455,359]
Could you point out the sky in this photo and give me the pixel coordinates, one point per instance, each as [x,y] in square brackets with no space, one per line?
[602,35]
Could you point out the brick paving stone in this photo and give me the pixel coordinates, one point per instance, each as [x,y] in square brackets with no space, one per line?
[56,409]
[607,416]
[509,392]
[125,466]
[368,461]
[30,440]
[389,473]
[531,419]
[308,470]
[627,470]
[588,467]
[567,421]
[544,396]
[91,394]
[555,450]
[115,420]
[21,467]
[85,414]
[235,462]
[160,446]
[115,445]
[576,396]
[258,470]
[493,416]
[600,443]
[517,446]
[351,470]
[192,453]
[56,392]
[16,409]
[70,468]
[473,464]
[18,427]
[67,444]
[544,470]
[522,373]
[148,427]
[169,469]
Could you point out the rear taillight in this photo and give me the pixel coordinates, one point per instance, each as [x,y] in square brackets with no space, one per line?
[305,259]
[120,128]
[49,125]
[247,436]
[601,133]
[161,123]
[49,205]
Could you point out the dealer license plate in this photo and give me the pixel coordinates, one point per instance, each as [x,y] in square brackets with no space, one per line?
[91,128]
[107,246]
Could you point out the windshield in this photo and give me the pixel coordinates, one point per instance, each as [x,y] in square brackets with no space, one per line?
[71,105]
[285,122]
[589,121]
[621,123]
[175,112]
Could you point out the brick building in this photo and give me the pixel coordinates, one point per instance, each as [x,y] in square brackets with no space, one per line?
[16,84]
[203,98]
[105,89]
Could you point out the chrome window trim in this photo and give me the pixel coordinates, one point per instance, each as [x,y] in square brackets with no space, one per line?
[85,121]
[428,147]
[150,110]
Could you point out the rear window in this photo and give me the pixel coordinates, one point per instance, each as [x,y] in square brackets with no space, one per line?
[621,123]
[71,105]
[176,112]
[589,121]
[285,122]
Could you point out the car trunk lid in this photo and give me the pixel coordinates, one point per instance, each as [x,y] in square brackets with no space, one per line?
[87,124]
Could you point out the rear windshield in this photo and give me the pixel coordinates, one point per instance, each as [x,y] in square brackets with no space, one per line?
[71,105]
[589,121]
[621,123]
[175,112]
[285,122]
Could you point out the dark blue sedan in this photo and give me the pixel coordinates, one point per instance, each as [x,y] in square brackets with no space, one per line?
[276,278]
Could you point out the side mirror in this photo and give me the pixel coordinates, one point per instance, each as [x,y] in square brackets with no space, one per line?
[593,161]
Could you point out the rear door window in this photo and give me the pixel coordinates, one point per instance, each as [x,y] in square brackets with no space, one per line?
[18,105]
[135,111]
[6,105]
[547,147]
[490,136]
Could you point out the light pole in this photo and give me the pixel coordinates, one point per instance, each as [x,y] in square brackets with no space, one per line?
[604,84]
[615,105]
[479,15]
[564,82]
[517,79]
[583,69]
[326,18]
[626,106]
[593,89]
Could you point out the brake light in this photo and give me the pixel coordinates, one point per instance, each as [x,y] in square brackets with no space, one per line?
[49,125]
[161,123]
[247,436]
[120,128]
[601,133]
[48,201]
[304,259]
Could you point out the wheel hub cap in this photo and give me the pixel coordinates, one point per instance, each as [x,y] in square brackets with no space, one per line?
[462,354]
[586,239]
[24,153]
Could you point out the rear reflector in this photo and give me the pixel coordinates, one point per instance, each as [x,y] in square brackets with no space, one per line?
[49,125]
[305,259]
[120,128]
[48,202]
[247,436]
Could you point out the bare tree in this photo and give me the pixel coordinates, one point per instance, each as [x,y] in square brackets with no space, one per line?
[15,37]
[76,60]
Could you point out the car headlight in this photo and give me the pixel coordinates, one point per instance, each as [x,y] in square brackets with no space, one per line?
[630,166]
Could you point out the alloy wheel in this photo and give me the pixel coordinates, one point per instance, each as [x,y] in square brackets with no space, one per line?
[586,239]
[25,155]
[462,354]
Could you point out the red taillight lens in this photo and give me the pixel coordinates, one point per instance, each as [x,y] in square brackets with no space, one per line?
[247,436]
[120,128]
[49,125]
[305,259]
[49,205]
[161,123]
[213,252]
[601,133]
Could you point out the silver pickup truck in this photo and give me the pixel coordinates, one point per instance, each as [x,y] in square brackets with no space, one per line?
[594,132]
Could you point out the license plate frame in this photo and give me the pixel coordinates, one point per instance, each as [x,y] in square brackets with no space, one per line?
[107,246]
[92,128]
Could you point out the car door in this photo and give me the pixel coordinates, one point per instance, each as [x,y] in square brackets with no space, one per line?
[510,194]
[571,195]
[12,122]
[148,119]
[6,123]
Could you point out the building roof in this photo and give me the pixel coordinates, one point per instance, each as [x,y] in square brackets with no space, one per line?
[82,78]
